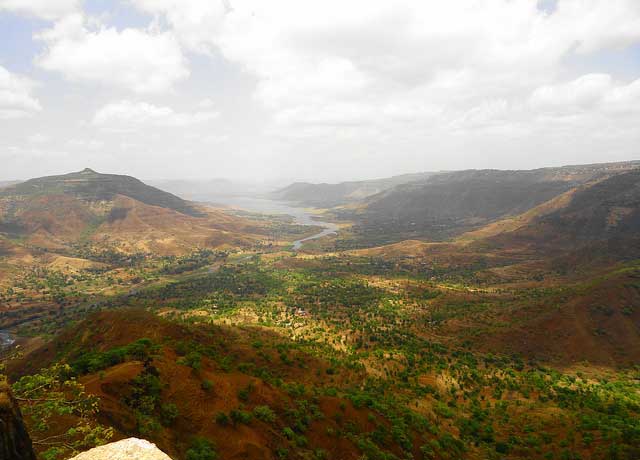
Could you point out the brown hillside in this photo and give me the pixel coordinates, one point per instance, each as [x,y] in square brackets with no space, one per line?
[197,406]
[599,322]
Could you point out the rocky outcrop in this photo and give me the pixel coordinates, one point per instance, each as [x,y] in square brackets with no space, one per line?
[15,443]
[127,449]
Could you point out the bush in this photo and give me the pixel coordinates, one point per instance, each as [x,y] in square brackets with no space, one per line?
[264,413]
[202,449]
[193,360]
[222,419]
[240,416]
[94,361]
[206,385]
[243,394]
[169,413]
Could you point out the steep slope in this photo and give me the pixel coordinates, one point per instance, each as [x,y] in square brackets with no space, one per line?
[610,208]
[448,204]
[601,220]
[329,195]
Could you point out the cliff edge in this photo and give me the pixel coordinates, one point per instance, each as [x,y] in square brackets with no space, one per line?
[15,443]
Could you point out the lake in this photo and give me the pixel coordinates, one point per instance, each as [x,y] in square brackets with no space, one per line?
[300,215]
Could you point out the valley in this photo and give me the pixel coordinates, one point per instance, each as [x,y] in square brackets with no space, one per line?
[459,315]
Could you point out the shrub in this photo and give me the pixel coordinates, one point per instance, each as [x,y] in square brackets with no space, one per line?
[222,419]
[202,449]
[243,394]
[264,413]
[192,359]
[240,416]
[206,385]
[169,413]
[502,447]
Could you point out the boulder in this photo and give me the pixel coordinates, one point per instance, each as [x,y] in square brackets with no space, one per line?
[127,449]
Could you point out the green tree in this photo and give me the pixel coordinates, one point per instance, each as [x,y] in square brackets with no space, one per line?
[55,393]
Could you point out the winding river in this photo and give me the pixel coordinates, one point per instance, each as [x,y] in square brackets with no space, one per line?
[300,215]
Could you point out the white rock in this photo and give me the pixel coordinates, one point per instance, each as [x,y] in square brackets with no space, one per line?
[127,449]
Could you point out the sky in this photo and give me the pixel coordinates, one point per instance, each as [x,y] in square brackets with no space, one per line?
[266,90]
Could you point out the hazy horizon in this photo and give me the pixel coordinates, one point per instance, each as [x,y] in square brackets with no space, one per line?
[283,181]
[274,183]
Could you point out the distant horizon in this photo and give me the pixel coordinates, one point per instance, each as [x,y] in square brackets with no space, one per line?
[288,181]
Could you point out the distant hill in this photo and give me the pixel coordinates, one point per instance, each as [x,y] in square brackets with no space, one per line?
[112,211]
[600,219]
[448,204]
[89,185]
[8,183]
[608,208]
[330,195]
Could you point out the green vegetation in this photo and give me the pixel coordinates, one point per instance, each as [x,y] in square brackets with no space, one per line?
[201,449]
[90,362]
[55,393]
[386,356]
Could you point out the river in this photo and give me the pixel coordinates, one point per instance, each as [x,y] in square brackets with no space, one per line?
[300,215]
[6,340]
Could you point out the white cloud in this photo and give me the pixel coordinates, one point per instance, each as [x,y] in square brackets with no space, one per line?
[195,21]
[45,9]
[38,138]
[332,87]
[378,62]
[85,144]
[16,100]
[591,92]
[206,103]
[581,94]
[128,115]
[137,60]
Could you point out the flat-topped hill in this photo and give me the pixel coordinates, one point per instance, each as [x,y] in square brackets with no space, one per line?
[89,185]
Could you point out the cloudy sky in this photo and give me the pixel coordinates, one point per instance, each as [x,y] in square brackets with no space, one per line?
[315,90]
